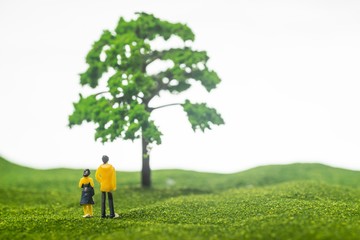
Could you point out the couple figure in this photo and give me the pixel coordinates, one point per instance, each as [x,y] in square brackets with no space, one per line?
[106,176]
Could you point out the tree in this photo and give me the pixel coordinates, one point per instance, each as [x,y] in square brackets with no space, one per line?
[123,57]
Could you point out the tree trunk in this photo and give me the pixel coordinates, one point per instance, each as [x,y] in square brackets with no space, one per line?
[145,172]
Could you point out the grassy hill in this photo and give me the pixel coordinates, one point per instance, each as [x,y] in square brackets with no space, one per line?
[297,201]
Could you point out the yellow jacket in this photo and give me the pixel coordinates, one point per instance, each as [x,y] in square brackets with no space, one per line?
[106,176]
[86,180]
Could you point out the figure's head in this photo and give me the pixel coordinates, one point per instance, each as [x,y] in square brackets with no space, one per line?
[105,159]
[86,173]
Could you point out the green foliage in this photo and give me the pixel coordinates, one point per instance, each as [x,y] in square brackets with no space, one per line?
[298,201]
[201,116]
[123,120]
[123,111]
[149,27]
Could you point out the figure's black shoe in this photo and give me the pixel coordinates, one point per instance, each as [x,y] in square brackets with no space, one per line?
[114,216]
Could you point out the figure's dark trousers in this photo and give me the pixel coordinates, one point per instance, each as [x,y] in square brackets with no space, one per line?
[103,204]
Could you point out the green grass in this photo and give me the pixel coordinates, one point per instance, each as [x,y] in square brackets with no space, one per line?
[297,201]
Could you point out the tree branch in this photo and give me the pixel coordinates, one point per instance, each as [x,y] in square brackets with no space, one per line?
[96,94]
[166,105]
[153,56]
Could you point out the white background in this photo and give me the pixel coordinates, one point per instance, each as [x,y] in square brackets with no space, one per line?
[289,92]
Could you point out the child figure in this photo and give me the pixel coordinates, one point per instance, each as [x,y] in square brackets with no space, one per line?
[87,185]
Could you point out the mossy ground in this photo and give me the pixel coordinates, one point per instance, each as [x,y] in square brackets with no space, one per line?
[298,201]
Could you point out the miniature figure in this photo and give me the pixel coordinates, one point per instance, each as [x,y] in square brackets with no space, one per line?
[106,176]
[87,185]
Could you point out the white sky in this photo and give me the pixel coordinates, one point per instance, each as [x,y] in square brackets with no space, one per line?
[289,92]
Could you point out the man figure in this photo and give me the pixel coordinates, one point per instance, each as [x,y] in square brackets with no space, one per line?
[106,176]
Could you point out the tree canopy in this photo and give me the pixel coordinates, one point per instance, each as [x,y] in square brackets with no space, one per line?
[122,57]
